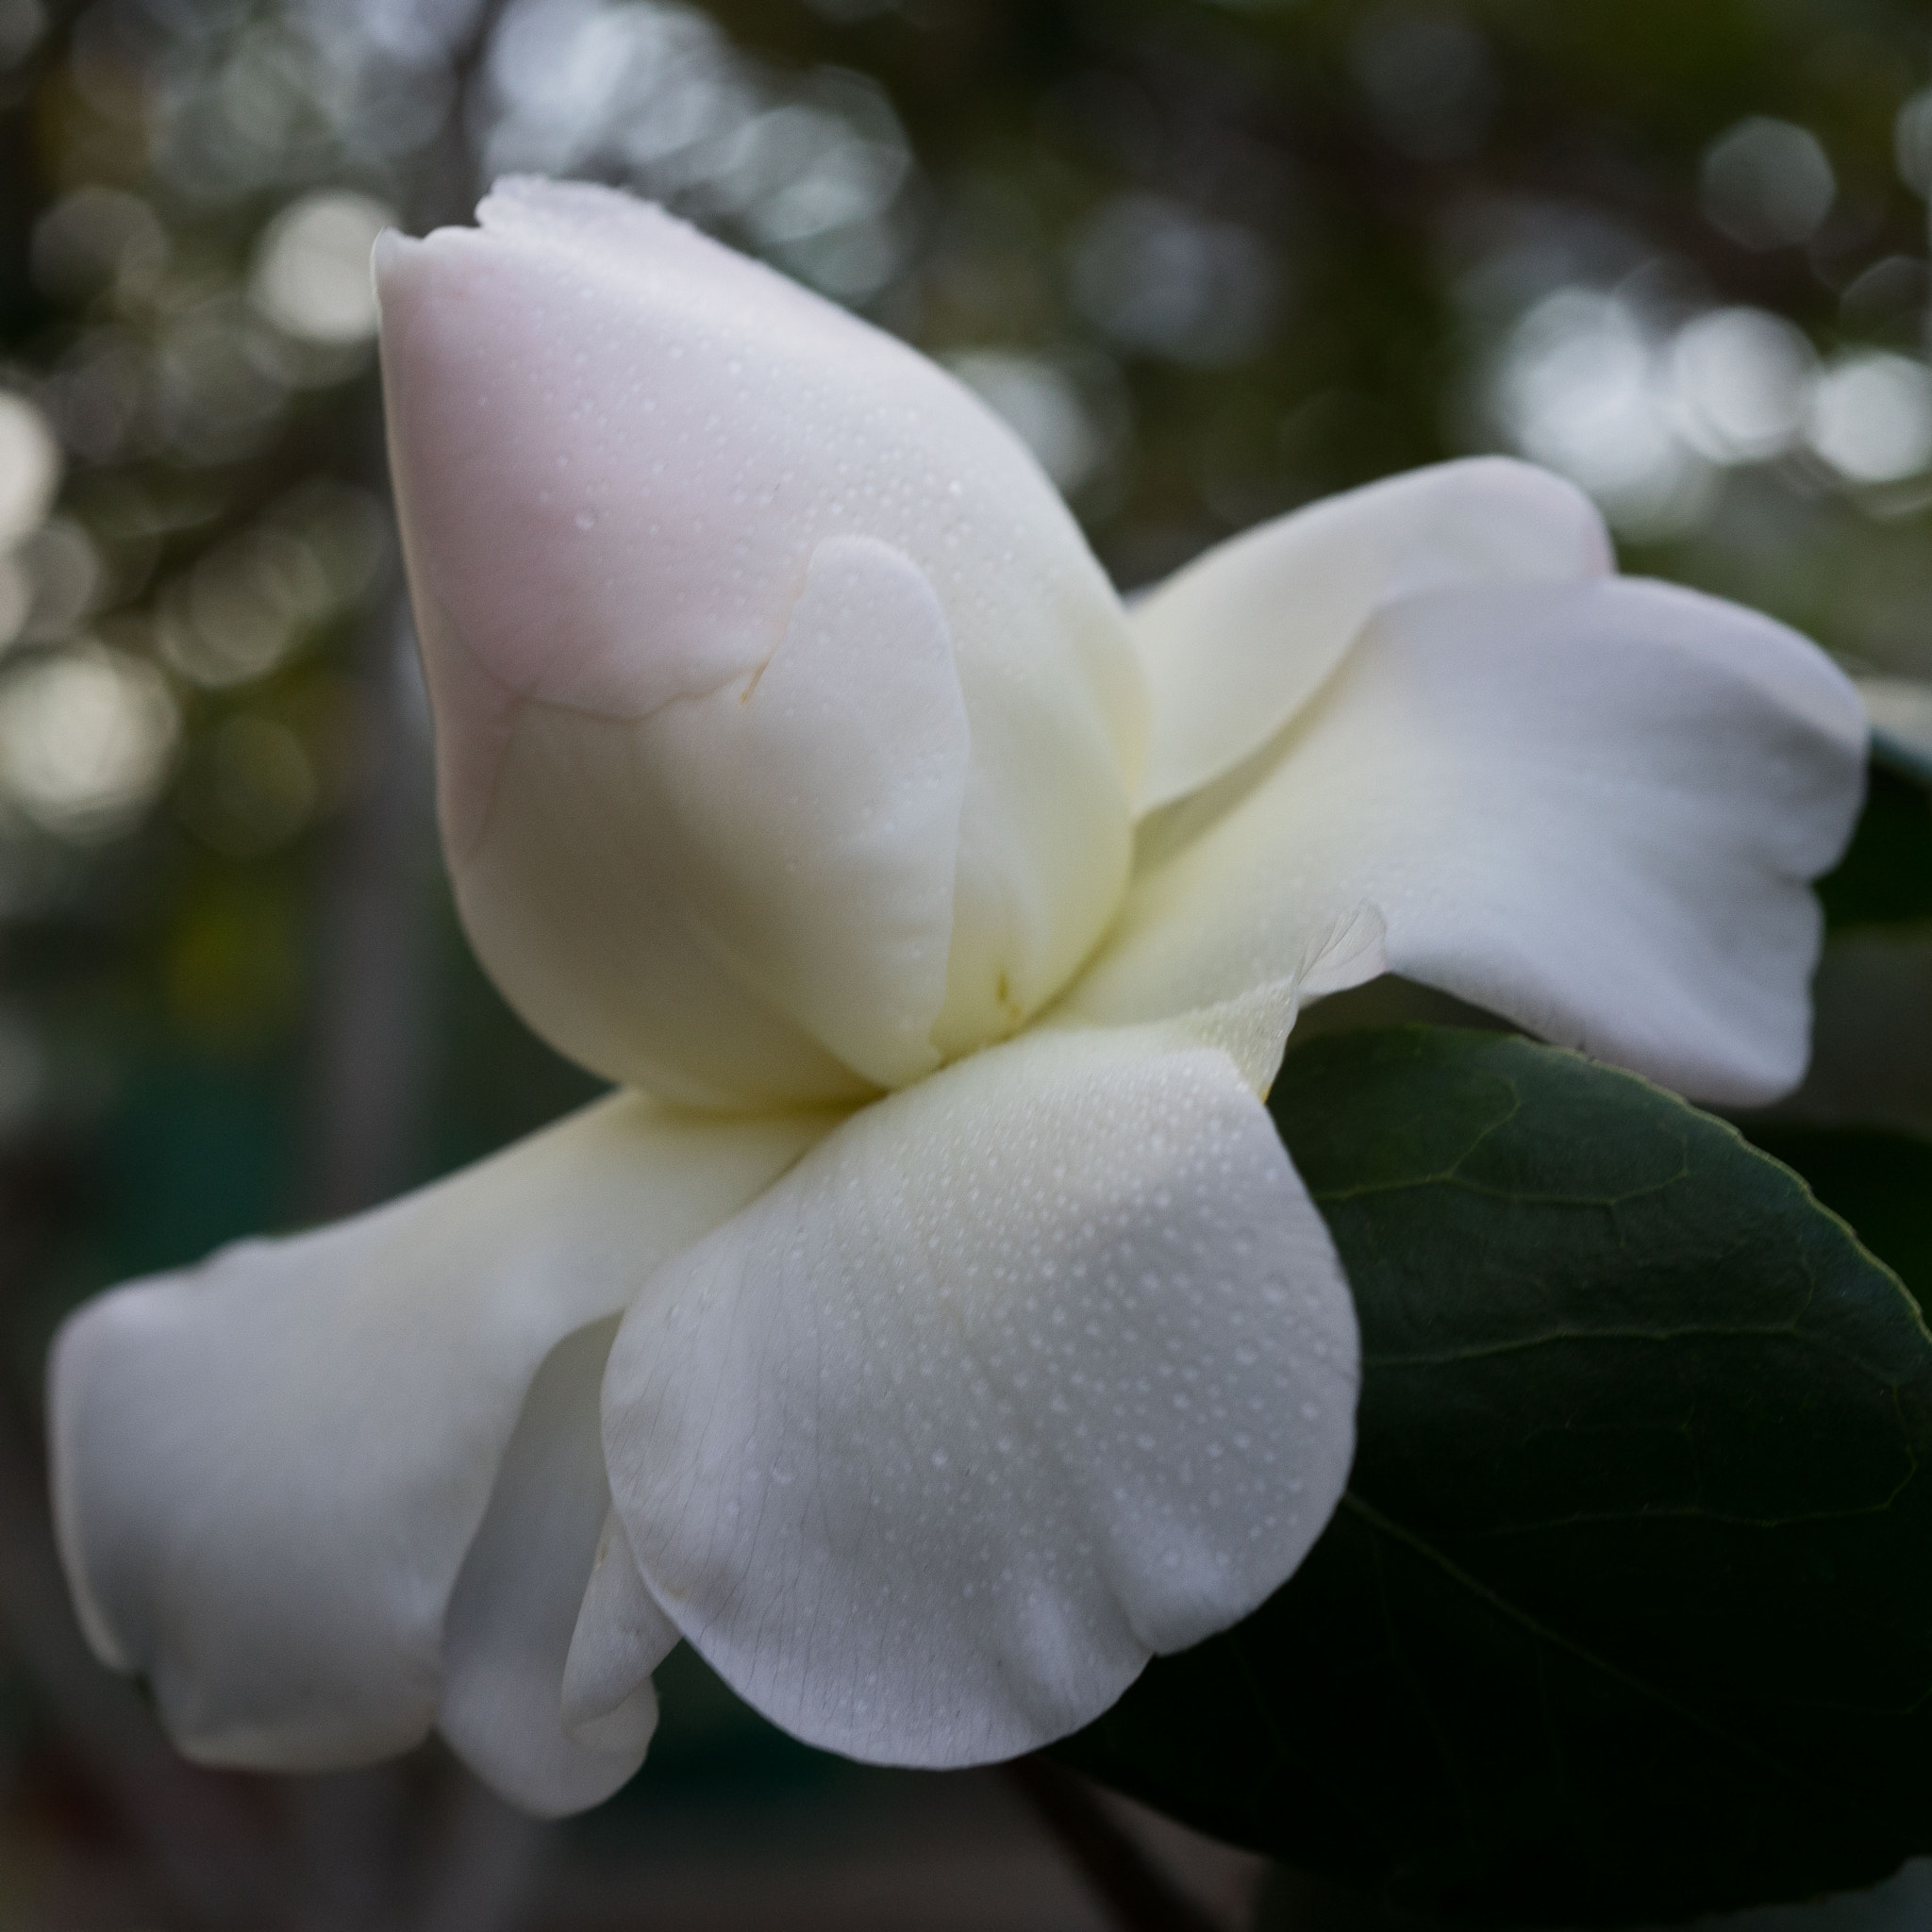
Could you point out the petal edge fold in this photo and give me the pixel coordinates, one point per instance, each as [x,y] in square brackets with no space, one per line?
[1028,1372]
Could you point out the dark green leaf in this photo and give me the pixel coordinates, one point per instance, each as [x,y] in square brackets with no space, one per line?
[1877,1179]
[1886,873]
[1627,1613]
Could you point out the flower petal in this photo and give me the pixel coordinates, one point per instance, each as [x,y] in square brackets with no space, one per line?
[1026,1372]
[618,449]
[1238,641]
[805,819]
[1592,809]
[515,1605]
[619,1637]
[267,1470]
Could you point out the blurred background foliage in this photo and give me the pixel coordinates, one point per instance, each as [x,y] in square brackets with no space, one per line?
[1212,258]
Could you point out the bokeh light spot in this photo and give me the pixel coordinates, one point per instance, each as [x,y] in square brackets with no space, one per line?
[311,274]
[84,739]
[1871,417]
[1767,184]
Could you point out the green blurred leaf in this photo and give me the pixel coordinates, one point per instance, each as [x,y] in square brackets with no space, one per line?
[1625,1613]
[1887,874]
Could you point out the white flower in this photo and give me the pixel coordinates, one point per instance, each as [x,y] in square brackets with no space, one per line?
[947,1332]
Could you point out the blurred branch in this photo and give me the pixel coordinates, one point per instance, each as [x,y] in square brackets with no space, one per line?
[450,186]
[1142,1897]
[205,1843]
[482,1864]
[374,916]
[376,908]
[1293,1901]
[347,1834]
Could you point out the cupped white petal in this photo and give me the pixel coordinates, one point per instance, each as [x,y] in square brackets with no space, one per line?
[507,1633]
[804,820]
[1592,809]
[632,467]
[1239,639]
[268,1469]
[1029,1372]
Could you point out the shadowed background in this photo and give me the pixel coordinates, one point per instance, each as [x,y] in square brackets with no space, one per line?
[1210,260]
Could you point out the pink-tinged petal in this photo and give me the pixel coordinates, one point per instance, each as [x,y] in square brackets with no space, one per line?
[624,457]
